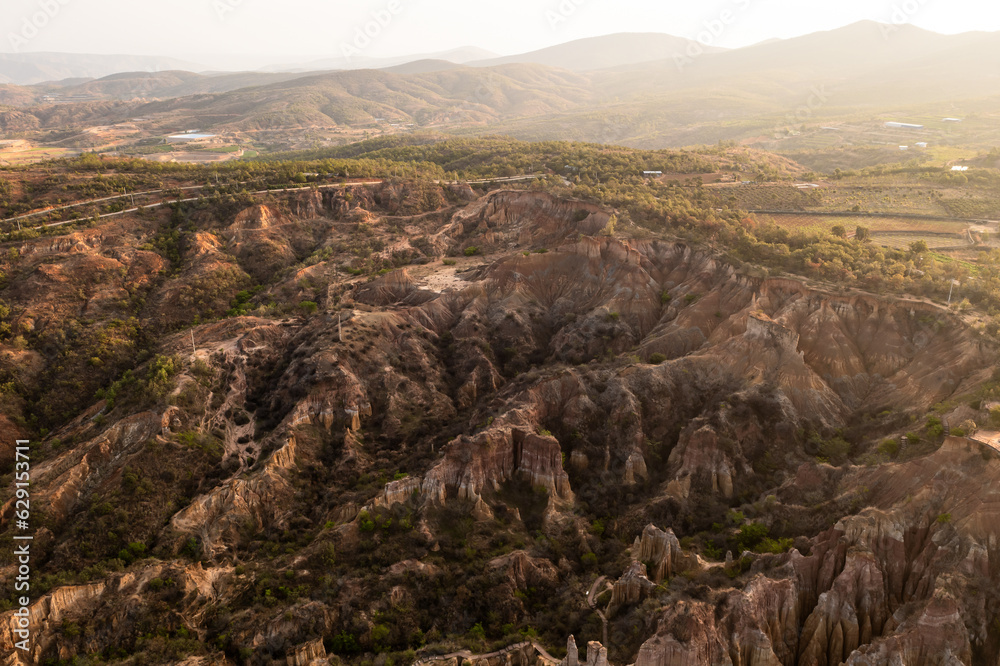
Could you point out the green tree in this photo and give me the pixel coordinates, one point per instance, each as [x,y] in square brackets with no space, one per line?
[609,228]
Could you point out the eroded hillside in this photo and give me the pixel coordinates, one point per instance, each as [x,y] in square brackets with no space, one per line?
[395,421]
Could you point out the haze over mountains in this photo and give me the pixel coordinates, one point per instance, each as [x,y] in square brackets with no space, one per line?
[636,89]
[31,68]
[579,55]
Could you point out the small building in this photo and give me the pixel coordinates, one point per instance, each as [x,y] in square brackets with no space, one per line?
[960,168]
[177,138]
[952,120]
[896,125]
[921,144]
[904,147]
[650,174]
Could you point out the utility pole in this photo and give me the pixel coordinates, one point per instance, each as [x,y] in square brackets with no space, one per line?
[194,350]
[950,291]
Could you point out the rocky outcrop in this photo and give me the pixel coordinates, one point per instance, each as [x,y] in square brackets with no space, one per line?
[632,587]
[509,220]
[572,653]
[395,288]
[79,603]
[473,466]
[699,456]
[597,654]
[869,593]
[524,571]
[217,517]
[46,614]
[308,654]
[690,633]
[64,480]
[661,550]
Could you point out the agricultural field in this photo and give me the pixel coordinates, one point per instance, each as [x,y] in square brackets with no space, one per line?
[193,157]
[937,193]
[33,155]
[903,241]
[895,232]
[810,223]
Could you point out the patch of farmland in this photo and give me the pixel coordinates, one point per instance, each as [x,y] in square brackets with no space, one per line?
[902,241]
[811,223]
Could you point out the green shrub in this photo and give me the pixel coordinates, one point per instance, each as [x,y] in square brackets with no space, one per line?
[657,358]
[365,523]
[835,450]
[380,632]
[471,251]
[776,546]
[750,535]
[889,447]
[477,632]
[344,644]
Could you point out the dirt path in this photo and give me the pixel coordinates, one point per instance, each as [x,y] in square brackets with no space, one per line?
[592,602]
[465,655]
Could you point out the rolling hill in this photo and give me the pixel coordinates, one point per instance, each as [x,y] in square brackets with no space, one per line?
[605,52]
[165,85]
[349,98]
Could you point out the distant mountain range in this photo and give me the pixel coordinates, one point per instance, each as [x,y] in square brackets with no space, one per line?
[628,89]
[597,53]
[459,56]
[580,55]
[31,68]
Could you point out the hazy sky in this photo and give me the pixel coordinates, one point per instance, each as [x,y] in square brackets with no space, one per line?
[296,29]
